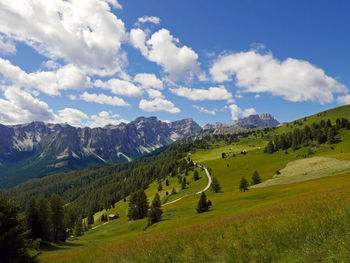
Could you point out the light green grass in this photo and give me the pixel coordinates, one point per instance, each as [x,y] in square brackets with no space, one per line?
[307,169]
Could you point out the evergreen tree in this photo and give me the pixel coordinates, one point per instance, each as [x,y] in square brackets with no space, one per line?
[90,219]
[243,185]
[167,182]
[138,205]
[209,203]
[44,218]
[183,184]
[155,212]
[160,187]
[32,218]
[270,148]
[14,244]
[331,135]
[203,204]
[58,227]
[78,229]
[195,175]
[215,186]
[256,178]
[173,192]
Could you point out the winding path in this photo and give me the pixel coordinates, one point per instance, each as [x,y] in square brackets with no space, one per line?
[176,200]
[205,189]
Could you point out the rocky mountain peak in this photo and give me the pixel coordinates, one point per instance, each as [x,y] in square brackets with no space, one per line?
[44,147]
[254,121]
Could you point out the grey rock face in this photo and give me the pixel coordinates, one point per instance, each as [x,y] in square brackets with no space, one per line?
[38,149]
[240,125]
[254,121]
[133,139]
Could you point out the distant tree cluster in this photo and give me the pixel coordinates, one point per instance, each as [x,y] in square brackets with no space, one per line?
[244,184]
[318,132]
[139,208]
[46,219]
[138,205]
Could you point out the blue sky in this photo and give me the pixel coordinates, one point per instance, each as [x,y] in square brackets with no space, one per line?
[94,62]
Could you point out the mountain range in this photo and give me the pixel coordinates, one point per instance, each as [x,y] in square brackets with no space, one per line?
[38,149]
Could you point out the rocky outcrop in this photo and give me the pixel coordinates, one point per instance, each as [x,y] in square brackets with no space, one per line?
[240,125]
[254,121]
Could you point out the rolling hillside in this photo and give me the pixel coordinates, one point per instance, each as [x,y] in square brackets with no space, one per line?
[297,221]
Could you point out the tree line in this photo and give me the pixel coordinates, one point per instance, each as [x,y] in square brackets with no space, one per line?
[320,132]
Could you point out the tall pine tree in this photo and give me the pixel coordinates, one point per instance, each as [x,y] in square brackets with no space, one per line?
[138,205]
[215,186]
[58,227]
[256,178]
[203,204]
[243,185]
[44,218]
[155,212]
[14,244]
[32,218]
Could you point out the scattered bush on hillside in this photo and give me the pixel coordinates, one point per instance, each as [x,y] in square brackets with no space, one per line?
[215,186]
[196,175]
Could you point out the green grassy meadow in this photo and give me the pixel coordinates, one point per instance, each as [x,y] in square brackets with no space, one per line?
[306,221]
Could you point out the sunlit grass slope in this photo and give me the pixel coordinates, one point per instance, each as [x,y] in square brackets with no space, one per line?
[305,221]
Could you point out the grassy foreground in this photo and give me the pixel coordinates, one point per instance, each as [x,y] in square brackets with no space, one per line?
[312,226]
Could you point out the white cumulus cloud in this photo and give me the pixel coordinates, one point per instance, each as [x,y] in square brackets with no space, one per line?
[163,49]
[104,118]
[292,79]
[19,106]
[71,116]
[82,32]
[137,38]
[120,87]
[237,112]
[213,93]
[103,99]
[344,99]
[6,46]
[49,82]
[147,80]
[204,110]
[150,19]
[158,104]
